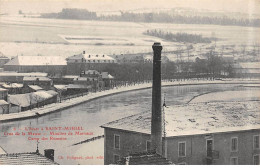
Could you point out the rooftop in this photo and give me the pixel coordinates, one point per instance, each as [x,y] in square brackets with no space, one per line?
[3,90]
[201,118]
[25,100]
[37,60]
[2,102]
[12,85]
[41,78]
[106,75]
[35,87]
[90,57]
[32,158]
[2,151]
[7,73]
[144,158]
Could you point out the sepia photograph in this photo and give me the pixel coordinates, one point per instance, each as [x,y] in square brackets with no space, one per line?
[129,82]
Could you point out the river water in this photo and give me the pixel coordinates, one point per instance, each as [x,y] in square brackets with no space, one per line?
[90,116]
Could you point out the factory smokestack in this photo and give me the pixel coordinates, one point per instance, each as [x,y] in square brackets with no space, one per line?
[156,128]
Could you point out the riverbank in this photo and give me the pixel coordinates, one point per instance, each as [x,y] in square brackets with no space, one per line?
[78,100]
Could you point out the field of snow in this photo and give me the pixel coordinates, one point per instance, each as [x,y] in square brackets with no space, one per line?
[23,35]
[227,96]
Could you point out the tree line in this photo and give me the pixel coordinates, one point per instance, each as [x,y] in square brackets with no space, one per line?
[212,67]
[179,37]
[161,17]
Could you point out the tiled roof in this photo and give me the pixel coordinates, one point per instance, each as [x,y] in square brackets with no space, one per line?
[25,159]
[199,118]
[37,60]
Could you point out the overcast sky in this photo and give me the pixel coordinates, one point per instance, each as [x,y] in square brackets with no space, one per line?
[44,6]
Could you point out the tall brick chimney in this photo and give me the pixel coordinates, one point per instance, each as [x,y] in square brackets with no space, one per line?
[156,128]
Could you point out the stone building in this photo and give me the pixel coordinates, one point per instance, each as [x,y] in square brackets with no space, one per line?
[83,61]
[53,65]
[196,134]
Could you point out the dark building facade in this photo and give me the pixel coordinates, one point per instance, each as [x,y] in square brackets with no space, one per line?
[194,134]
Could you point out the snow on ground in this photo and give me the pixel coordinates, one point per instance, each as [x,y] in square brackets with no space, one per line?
[199,118]
[242,95]
[72,102]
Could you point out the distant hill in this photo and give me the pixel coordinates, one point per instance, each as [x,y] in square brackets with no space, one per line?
[176,15]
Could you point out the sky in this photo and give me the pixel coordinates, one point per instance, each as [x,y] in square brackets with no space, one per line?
[45,6]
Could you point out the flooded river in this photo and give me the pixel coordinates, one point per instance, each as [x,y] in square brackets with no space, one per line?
[90,116]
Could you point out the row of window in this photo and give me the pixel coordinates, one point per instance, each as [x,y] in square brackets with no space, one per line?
[209,147]
[98,61]
[256,158]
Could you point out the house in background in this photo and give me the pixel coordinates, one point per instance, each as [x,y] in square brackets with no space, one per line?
[13,88]
[83,61]
[23,102]
[4,107]
[53,65]
[3,94]
[15,77]
[44,82]
[27,158]
[108,80]
[3,60]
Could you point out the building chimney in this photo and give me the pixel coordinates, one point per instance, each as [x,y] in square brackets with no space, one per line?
[156,126]
[49,153]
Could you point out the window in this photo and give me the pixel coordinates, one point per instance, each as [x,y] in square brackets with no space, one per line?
[234,161]
[234,144]
[209,147]
[148,145]
[116,141]
[116,158]
[256,141]
[256,159]
[182,149]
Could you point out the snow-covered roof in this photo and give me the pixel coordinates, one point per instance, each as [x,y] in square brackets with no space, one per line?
[25,100]
[25,159]
[250,65]
[106,75]
[6,73]
[199,118]
[2,151]
[37,60]
[41,78]
[12,85]
[90,57]
[2,102]
[3,90]
[91,72]
[85,79]
[52,92]
[61,87]
[77,86]
[35,87]
[70,76]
